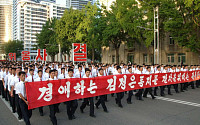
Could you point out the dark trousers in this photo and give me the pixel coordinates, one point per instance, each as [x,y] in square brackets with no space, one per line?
[71,108]
[169,89]
[6,93]
[120,95]
[130,94]
[197,83]
[185,86]
[155,91]
[192,84]
[41,110]
[2,89]
[102,102]
[13,102]
[182,87]
[25,112]
[146,91]
[162,88]
[52,115]
[85,102]
[176,87]
[19,112]
[139,94]
[9,98]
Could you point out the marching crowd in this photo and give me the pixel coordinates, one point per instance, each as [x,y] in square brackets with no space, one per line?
[13,75]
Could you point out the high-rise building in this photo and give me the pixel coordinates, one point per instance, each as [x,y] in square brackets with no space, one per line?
[106,3]
[29,17]
[78,4]
[5,23]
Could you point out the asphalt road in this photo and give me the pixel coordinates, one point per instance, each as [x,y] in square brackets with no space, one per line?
[178,109]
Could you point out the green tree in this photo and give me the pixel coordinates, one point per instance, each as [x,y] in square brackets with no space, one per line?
[121,24]
[13,46]
[179,18]
[66,28]
[47,38]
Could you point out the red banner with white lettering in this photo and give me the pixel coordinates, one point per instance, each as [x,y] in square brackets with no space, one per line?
[57,91]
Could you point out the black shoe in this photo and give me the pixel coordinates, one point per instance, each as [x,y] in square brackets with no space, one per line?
[120,105]
[182,91]
[137,98]
[177,91]
[73,117]
[41,114]
[97,106]
[14,111]
[58,111]
[82,111]
[145,96]
[19,118]
[155,94]
[153,97]
[93,116]
[116,100]
[170,94]
[106,111]
[70,118]
[129,102]
[141,99]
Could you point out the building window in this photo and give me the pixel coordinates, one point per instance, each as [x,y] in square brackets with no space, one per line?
[181,57]
[130,58]
[151,59]
[113,59]
[145,58]
[171,40]
[170,58]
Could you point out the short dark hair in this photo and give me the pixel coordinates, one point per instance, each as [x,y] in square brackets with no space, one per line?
[22,72]
[70,70]
[86,69]
[39,71]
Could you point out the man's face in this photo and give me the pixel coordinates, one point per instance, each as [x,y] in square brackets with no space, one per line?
[9,70]
[31,72]
[101,72]
[13,71]
[119,70]
[79,68]
[63,71]
[130,70]
[40,74]
[87,73]
[52,74]
[149,69]
[70,73]
[22,77]
[56,73]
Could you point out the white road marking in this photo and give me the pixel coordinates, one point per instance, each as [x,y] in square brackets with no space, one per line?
[177,101]
[8,105]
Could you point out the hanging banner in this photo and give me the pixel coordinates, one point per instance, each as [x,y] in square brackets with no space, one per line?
[79,52]
[57,91]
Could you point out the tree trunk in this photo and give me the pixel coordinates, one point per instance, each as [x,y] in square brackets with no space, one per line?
[117,55]
[93,54]
[53,58]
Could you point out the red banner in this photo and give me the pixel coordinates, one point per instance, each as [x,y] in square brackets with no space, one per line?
[57,91]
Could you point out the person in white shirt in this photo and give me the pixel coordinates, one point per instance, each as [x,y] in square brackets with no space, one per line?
[130,93]
[53,108]
[31,77]
[79,73]
[102,98]
[73,104]
[5,81]
[161,87]
[138,95]
[124,69]
[148,90]
[62,75]
[40,78]
[90,99]
[23,103]
[1,82]
[120,95]
[46,74]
